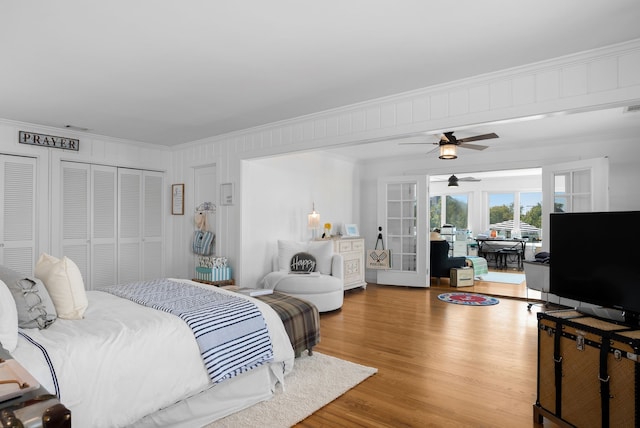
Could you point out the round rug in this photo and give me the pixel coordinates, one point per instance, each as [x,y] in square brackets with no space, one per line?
[470,299]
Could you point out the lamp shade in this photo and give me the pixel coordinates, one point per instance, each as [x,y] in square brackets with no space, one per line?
[313,221]
[448,151]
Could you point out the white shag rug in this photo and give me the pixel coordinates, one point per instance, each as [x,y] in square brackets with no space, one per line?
[315,381]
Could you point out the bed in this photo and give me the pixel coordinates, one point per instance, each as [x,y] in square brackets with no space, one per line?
[124,364]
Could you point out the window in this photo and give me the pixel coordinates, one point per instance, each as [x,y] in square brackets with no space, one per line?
[500,209]
[572,191]
[455,211]
[531,215]
[435,212]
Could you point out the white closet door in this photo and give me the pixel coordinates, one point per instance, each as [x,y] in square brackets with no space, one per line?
[129,225]
[76,213]
[152,219]
[18,213]
[104,267]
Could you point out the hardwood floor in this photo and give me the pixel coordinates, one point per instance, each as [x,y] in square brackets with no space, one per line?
[439,364]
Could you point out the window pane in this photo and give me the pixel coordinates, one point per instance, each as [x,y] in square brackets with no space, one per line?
[435,208]
[582,181]
[531,215]
[501,211]
[560,205]
[458,211]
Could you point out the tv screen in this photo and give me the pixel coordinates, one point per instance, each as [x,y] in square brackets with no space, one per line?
[594,258]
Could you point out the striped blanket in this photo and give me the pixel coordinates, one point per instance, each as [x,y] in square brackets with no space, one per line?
[230,331]
[479,265]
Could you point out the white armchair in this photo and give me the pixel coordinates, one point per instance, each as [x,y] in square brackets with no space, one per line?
[324,287]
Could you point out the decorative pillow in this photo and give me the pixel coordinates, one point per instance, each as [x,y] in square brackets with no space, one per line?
[8,319]
[63,280]
[323,252]
[31,299]
[303,262]
[286,250]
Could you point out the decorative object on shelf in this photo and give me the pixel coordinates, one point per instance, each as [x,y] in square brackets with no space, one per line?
[379,258]
[313,220]
[351,230]
[226,194]
[327,230]
[177,199]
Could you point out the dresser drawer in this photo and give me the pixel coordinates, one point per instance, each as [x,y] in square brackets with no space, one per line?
[344,246]
[357,245]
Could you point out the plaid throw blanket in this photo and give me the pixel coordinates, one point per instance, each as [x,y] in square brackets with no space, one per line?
[300,319]
[230,331]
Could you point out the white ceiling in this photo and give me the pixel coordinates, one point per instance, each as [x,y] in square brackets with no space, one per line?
[169,72]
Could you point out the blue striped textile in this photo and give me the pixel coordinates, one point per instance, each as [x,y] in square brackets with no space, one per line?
[230,331]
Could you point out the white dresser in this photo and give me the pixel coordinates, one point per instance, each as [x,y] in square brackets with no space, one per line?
[352,250]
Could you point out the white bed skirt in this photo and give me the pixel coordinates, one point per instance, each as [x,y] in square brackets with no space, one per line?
[214,403]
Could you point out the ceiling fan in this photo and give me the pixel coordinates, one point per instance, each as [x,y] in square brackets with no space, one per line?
[448,144]
[453,180]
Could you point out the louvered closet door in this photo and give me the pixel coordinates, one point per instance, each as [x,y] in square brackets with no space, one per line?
[152,226]
[75,216]
[18,213]
[104,266]
[129,225]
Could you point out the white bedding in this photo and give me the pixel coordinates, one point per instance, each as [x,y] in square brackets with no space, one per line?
[124,361]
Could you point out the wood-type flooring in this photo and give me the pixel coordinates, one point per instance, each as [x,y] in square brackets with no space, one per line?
[439,364]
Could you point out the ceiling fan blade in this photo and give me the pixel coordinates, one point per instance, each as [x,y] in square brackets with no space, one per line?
[478,137]
[473,146]
[408,143]
[468,179]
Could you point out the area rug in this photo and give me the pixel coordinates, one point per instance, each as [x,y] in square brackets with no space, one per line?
[508,278]
[470,299]
[315,381]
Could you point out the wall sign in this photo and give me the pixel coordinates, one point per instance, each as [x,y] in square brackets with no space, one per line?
[34,139]
[177,199]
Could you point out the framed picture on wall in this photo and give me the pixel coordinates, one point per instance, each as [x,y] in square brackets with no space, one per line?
[226,194]
[351,230]
[177,199]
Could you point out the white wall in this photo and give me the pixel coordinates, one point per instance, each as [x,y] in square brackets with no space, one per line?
[277,196]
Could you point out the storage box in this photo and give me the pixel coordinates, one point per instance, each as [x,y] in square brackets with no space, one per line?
[213,274]
[461,277]
[587,371]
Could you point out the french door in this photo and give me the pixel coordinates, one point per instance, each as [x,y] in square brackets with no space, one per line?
[402,214]
[580,186]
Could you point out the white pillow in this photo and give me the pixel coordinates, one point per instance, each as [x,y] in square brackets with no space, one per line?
[63,281]
[286,250]
[8,319]
[323,252]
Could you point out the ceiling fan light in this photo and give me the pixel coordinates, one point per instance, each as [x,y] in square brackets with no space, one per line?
[448,151]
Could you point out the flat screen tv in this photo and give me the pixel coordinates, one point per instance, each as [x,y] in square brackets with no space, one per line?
[594,259]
